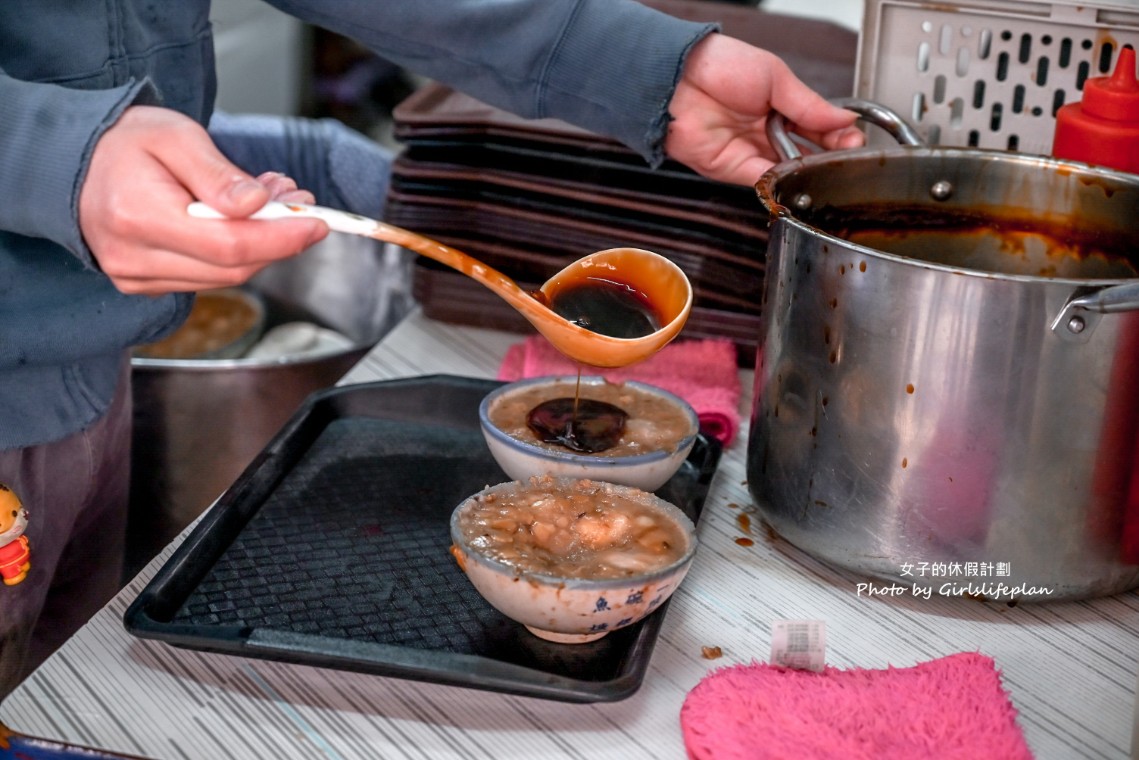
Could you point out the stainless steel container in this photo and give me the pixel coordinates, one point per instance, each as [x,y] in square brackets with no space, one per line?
[198,423]
[947,395]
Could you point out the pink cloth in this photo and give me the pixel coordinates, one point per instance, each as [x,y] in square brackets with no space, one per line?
[953,707]
[702,372]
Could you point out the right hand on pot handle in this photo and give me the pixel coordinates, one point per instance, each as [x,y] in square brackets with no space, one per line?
[874,113]
[726,91]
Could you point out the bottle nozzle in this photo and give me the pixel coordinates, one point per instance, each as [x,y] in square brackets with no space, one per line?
[1123,78]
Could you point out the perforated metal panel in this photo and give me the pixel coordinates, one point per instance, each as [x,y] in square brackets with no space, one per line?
[987,74]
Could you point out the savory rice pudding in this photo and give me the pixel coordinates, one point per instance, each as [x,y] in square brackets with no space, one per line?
[573,528]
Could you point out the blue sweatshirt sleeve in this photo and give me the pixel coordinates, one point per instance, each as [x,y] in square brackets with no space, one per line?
[609,66]
[47,135]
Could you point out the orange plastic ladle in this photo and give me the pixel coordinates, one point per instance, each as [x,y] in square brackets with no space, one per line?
[663,283]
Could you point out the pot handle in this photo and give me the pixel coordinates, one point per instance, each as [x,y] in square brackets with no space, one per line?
[1077,320]
[874,113]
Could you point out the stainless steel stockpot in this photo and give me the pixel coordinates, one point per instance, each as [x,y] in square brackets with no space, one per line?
[947,392]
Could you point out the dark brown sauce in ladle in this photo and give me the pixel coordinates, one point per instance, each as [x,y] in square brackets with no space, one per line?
[606,306]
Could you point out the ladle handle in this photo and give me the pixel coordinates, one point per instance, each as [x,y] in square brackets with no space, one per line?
[354,224]
[341,221]
[874,113]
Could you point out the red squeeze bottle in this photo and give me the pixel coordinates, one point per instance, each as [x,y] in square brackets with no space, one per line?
[1103,128]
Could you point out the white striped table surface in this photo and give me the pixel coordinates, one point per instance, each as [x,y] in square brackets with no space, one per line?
[1070,668]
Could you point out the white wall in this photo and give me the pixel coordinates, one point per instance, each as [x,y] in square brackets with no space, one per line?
[847,13]
[260,58]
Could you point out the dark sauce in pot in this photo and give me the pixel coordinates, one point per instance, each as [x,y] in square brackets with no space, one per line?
[989,241]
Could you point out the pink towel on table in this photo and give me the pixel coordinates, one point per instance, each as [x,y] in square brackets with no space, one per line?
[702,372]
[952,707]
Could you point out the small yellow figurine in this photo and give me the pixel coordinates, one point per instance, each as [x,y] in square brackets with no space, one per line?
[15,554]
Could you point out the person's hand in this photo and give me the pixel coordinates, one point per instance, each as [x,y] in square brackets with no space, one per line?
[144,171]
[720,107]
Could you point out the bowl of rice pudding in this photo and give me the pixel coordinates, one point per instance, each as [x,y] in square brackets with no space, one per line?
[569,558]
[630,433]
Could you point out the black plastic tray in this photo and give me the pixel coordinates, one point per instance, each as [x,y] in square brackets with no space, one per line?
[332,549]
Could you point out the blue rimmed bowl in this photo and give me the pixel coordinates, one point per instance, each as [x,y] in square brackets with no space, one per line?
[568,608]
[655,453]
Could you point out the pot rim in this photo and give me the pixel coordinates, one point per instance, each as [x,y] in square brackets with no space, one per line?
[210,365]
[765,188]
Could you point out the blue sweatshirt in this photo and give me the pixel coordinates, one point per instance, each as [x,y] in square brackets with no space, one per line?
[68,69]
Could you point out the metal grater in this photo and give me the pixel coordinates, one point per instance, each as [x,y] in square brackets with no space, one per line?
[987,74]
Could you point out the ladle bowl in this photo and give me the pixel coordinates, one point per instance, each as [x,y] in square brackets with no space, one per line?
[661,281]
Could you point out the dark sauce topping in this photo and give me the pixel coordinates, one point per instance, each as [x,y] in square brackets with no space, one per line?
[607,307]
[593,426]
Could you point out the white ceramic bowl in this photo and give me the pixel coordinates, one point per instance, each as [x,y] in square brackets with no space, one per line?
[521,459]
[572,610]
